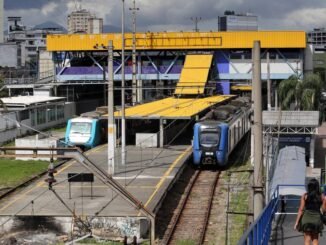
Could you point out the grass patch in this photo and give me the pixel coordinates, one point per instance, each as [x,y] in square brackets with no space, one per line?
[186,242]
[59,130]
[9,144]
[94,241]
[239,202]
[14,172]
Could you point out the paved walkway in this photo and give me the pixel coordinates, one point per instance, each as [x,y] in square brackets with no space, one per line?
[147,176]
[284,234]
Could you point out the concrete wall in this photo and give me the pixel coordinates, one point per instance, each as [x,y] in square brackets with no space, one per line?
[275,67]
[9,129]
[308,59]
[8,56]
[40,92]
[46,65]
[20,227]
[147,139]
[35,141]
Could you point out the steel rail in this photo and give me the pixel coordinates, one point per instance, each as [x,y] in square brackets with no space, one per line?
[210,202]
[187,192]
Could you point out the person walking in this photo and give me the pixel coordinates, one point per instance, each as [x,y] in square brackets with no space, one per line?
[309,214]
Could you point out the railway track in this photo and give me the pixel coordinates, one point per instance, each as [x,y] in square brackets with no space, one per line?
[190,218]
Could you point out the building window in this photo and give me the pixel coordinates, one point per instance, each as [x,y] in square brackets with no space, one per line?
[51,113]
[60,112]
[33,117]
[23,115]
[41,115]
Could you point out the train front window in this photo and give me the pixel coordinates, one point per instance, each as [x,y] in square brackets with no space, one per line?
[209,138]
[80,128]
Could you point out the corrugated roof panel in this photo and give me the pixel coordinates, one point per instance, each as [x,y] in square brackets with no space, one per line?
[291,118]
[192,81]
[198,61]
[291,159]
[194,74]
[172,107]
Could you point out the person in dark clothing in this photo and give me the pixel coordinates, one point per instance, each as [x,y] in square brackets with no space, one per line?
[309,214]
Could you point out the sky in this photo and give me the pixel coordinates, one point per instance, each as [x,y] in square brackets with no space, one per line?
[175,15]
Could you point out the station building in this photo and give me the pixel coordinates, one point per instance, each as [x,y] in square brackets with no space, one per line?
[80,61]
[23,115]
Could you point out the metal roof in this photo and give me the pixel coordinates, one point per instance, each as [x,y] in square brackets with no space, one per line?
[291,118]
[241,87]
[172,108]
[178,40]
[290,169]
[28,100]
[194,74]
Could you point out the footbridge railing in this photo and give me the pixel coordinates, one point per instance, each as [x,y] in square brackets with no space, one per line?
[259,232]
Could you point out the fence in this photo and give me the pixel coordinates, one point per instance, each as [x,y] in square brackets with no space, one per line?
[260,231]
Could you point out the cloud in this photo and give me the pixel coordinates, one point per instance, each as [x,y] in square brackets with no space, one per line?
[49,8]
[303,18]
[176,14]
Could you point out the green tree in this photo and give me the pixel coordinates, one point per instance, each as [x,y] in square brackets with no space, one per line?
[301,94]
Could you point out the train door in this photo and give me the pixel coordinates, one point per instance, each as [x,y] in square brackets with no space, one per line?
[229,140]
[239,131]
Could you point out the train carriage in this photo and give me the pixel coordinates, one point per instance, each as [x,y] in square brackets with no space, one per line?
[87,131]
[219,131]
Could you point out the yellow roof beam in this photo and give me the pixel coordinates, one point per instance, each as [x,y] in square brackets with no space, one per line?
[178,40]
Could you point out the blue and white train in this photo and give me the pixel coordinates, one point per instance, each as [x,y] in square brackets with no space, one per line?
[86,131]
[219,131]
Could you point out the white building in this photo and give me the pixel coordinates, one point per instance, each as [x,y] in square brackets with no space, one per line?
[28,42]
[237,22]
[37,112]
[82,21]
[95,25]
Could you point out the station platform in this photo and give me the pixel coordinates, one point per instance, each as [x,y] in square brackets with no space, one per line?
[282,230]
[147,175]
[284,234]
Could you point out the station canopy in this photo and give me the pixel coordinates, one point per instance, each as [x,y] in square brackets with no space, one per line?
[172,108]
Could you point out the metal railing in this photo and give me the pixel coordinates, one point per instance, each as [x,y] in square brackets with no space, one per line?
[19,81]
[259,232]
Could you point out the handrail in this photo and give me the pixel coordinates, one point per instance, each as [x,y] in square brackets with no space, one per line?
[259,232]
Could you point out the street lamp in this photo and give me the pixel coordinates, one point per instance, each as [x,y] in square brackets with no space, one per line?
[123,120]
[135,90]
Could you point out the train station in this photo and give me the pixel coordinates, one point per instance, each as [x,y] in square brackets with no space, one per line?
[172,80]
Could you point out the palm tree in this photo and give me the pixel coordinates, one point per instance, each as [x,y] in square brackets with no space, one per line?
[288,92]
[302,94]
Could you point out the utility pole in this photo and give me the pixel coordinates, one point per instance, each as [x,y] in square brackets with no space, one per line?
[123,119]
[269,86]
[111,121]
[134,68]
[196,20]
[258,135]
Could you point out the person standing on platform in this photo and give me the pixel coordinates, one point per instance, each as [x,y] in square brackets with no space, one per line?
[309,219]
